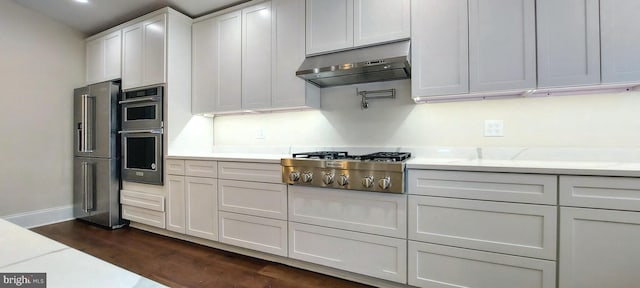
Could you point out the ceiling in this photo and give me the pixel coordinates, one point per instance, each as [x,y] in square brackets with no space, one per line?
[98,15]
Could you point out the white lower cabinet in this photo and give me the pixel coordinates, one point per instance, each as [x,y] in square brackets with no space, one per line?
[201,207]
[372,255]
[511,228]
[376,213]
[253,214]
[192,204]
[257,233]
[599,248]
[438,266]
[145,208]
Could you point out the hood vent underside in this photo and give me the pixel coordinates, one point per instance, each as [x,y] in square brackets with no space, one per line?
[371,64]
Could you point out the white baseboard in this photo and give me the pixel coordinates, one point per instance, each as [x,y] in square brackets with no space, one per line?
[41,217]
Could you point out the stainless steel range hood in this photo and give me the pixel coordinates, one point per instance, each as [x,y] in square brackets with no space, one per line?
[370,64]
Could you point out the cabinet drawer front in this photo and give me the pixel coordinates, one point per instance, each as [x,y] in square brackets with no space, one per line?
[599,248]
[600,192]
[144,216]
[525,188]
[142,200]
[197,168]
[258,199]
[261,234]
[257,172]
[519,229]
[372,255]
[436,266]
[369,212]
[175,167]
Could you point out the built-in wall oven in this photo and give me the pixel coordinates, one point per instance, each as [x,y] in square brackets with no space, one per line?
[142,133]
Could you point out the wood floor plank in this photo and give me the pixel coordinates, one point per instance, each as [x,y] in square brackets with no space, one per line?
[178,263]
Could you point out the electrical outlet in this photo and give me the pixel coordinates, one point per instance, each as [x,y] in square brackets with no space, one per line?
[260,133]
[493,128]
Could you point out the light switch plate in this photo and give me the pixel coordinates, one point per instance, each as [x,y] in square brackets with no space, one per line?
[493,128]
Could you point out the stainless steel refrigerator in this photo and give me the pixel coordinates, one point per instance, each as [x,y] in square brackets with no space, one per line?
[96,165]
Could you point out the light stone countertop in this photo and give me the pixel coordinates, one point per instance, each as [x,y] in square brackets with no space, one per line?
[24,251]
[541,160]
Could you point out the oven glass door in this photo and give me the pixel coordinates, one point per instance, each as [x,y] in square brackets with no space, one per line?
[142,115]
[142,157]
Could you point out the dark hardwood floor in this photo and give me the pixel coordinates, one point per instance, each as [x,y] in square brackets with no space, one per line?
[178,263]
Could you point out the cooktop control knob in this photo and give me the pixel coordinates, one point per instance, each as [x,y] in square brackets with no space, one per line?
[307,177]
[327,178]
[294,176]
[384,183]
[367,181]
[343,179]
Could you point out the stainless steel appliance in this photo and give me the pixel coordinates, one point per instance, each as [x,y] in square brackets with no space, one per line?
[142,133]
[370,64]
[96,169]
[376,172]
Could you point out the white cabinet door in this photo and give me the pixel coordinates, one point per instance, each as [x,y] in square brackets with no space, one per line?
[439,47]
[485,225]
[204,82]
[256,57]
[502,47]
[202,207]
[257,233]
[599,248]
[289,91]
[112,56]
[374,213]
[95,60]
[367,254]
[437,266]
[132,56]
[103,58]
[329,25]
[144,49]
[377,21]
[228,56]
[217,61]
[176,215]
[568,42]
[154,31]
[619,22]
[266,200]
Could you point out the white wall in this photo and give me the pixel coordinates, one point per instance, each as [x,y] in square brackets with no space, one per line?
[604,120]
[41,62]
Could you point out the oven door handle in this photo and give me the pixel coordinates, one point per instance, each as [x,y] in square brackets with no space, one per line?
[141,99]
[152,131]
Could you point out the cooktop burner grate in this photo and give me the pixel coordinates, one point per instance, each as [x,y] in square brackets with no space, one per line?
[322,155]
[378,156]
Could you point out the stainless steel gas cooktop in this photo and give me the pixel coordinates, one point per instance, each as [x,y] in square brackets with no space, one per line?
[376,172]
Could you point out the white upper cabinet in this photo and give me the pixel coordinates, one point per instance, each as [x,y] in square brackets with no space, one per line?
[217,64]
[104,58]
[144,48]
[329,25]
[377,21]
[246,60]
[502,45]
[289,91]
[256,56]
[341,24]
[568,42]
[439,47]
[620,32]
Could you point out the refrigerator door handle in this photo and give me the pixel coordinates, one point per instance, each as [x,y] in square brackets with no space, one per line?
[88,190]
[86,128]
